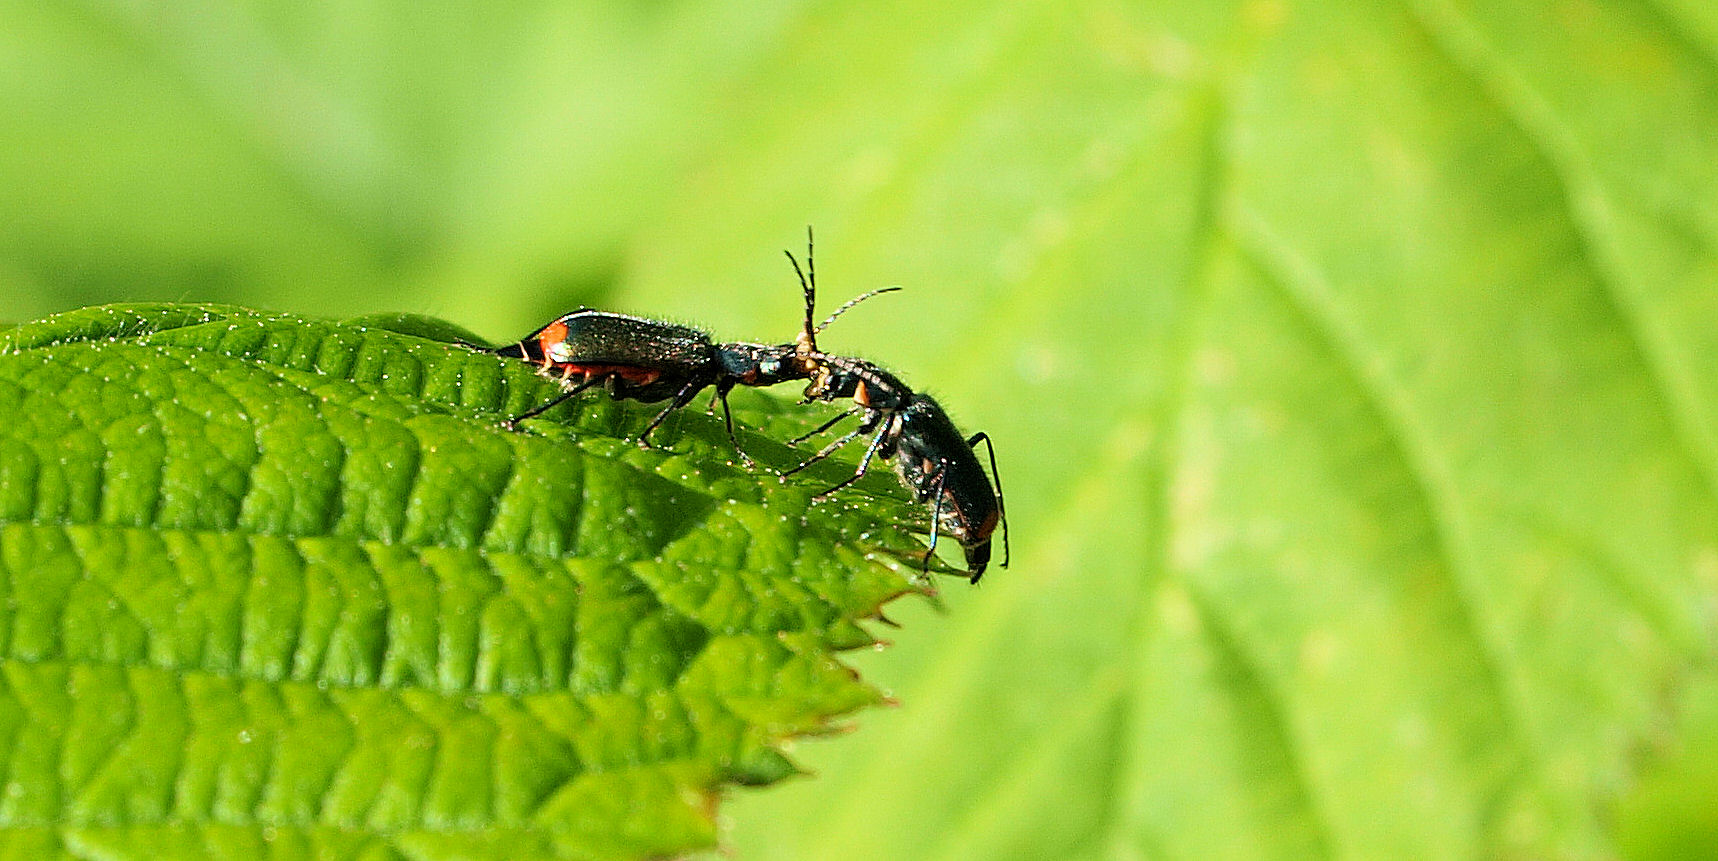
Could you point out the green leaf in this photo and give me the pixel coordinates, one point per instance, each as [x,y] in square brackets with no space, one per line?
[1350,364]
[1351,368]
[276,586]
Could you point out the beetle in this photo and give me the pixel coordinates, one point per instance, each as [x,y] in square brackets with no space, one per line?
[942,467]
[929,454]
[636,358]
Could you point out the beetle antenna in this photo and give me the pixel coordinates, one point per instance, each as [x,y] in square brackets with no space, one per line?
[850,303]
[808,334]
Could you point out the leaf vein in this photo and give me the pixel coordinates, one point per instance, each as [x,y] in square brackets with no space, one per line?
[1306,291]
[1589,208]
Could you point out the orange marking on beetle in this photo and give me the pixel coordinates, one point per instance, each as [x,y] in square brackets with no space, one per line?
[552,334]
[988,526]
[630,373]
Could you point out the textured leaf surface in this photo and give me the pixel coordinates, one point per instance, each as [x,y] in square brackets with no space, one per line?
[278,587]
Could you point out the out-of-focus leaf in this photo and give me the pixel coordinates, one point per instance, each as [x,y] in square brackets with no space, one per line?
[279,587]
[1351,369]
[349,157]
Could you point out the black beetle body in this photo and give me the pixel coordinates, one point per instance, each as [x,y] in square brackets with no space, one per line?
[929,454]
[913,430]
[633,358]
[942,467]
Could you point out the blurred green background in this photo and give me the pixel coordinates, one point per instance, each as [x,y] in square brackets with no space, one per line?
[1351,365]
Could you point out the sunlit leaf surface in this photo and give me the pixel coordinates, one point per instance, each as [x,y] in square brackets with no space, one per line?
[281,587]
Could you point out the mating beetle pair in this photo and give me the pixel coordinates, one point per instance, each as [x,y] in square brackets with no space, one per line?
[634,358]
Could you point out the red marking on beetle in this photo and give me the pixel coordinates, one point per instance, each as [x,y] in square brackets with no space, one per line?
[630,373]
[988,526]
[979,531]
[552,334]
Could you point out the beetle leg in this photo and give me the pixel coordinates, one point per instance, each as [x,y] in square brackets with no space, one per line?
[825,426]
[828,450]
[513,423]
[728,419]
[937,515]
[872,418]
[1001,509]
[681,398]
[864,462]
